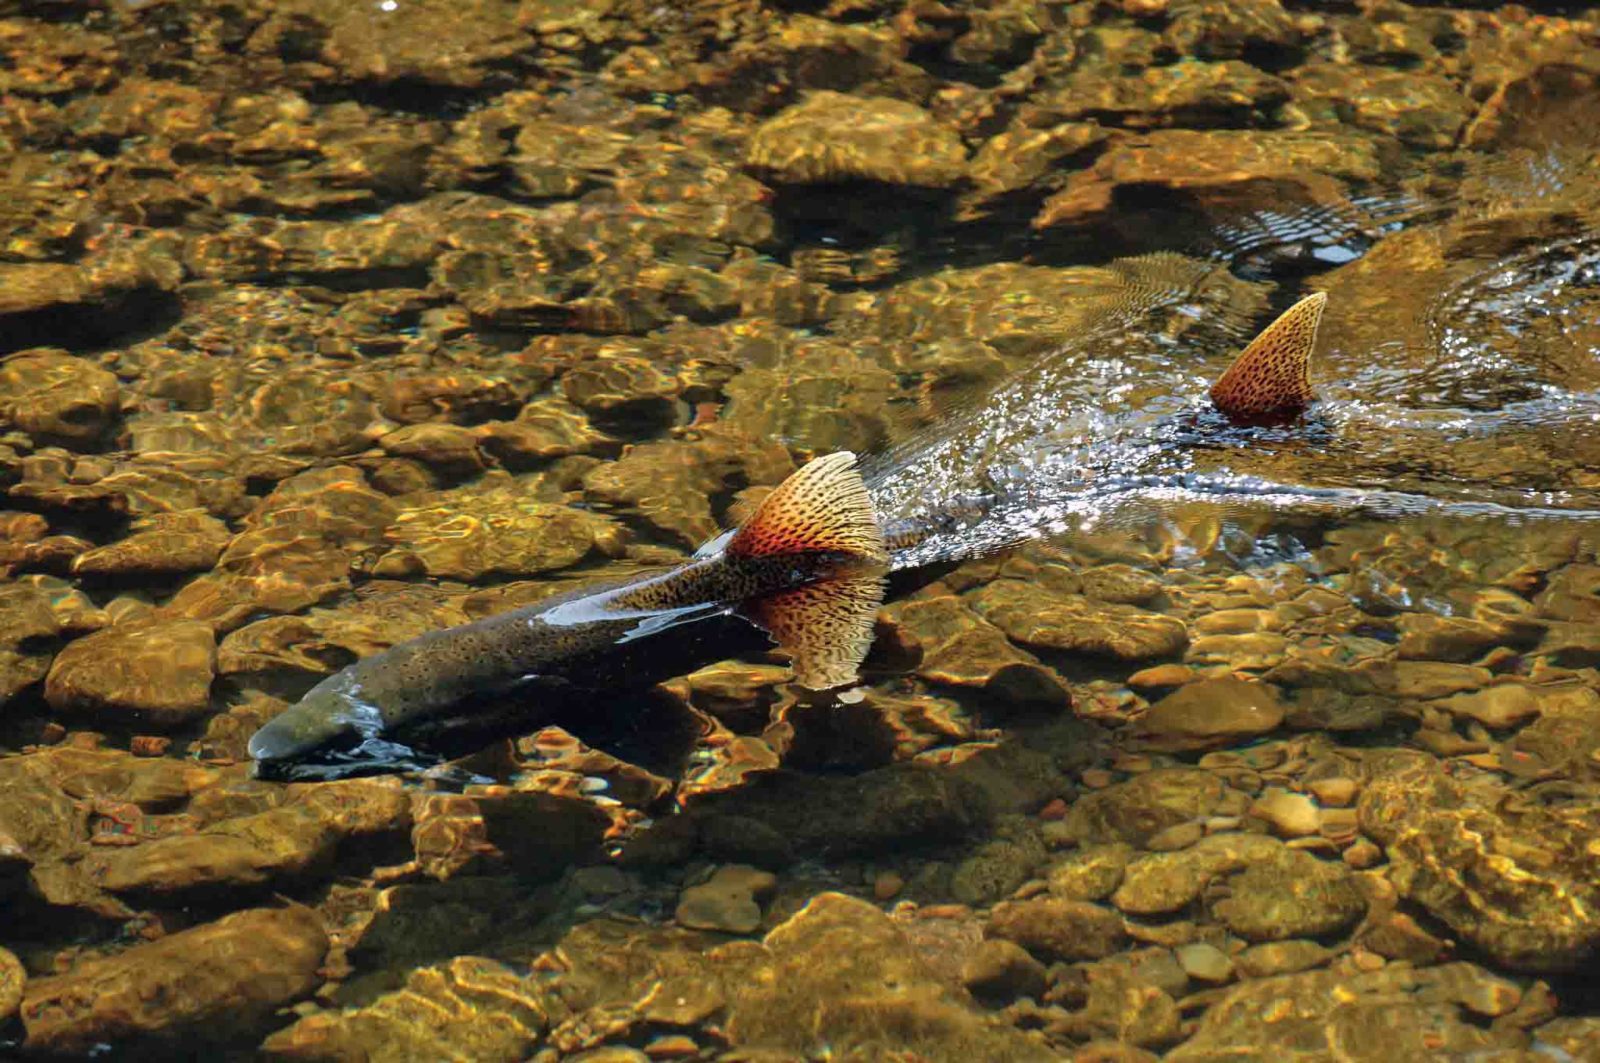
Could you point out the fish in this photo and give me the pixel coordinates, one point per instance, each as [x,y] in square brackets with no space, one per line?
[807,570]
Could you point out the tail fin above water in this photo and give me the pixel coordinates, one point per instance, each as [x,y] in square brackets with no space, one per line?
[1271,377]
[823,508]
[825,625]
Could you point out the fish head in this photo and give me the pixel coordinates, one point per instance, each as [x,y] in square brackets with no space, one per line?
[330,733]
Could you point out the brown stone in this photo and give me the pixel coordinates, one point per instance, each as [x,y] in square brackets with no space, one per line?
[213,982]
[158,669]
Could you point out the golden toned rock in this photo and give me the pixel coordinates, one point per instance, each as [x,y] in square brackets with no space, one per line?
[1520,881]
[276,845]
[1210,713]
[1189,94]
[158,669]
[830,138]
[840,973]
[1290,815]
[1401,1011]
[1002,970]
[468,1008]
[1057,929]
[492,528]
[53,395]
[210,983]
[960,649]
[26,620]
[1034,617]
[12,980]
[1499,706]
[729,901]
[1214,167]
[161,544]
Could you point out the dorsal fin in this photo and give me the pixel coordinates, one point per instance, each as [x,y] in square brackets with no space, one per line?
[822,508]
[825,626]
[1272,375]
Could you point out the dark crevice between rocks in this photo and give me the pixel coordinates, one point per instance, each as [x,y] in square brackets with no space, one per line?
[351,280]
[122,319]
[415,97]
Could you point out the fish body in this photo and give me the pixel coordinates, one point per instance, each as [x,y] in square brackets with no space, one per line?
[807,570]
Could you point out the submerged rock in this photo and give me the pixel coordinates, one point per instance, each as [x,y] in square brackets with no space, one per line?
[493,527]
[272,846]
[468,1008]
[1056,929]
[729,901]
[830,138]
[161,544]
[1518,879]
[1031,615]
[159,670]
[209,983]
[841,974]
[53,396]
[1395,1013]
[12,980]
[1210,713]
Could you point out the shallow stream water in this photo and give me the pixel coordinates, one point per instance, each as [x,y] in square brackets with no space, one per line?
[324,325]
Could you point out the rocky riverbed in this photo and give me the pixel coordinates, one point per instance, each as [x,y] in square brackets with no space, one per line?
[325,324]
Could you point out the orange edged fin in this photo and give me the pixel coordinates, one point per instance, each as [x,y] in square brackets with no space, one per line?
[823,508]
[825,626]
[1272,375]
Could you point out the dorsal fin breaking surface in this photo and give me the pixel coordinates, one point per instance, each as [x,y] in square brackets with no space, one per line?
[822,508]
[1272,376]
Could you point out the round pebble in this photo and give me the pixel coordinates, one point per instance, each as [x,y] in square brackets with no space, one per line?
[1291,815]
[1337,791]
[1362,854]
[1205,963]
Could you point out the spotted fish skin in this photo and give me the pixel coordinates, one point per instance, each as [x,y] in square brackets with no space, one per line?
[1271,378]
[814,530]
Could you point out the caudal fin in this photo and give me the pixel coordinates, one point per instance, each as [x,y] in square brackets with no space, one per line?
[825,625]
[823,508]
[1271,377]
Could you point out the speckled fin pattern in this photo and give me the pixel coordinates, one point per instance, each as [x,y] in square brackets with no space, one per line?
[1272,375]
[826,626]
[823,508]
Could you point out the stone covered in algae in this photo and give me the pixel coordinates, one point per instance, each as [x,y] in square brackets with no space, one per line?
[27,626]
[158,669]
[802,54]
[1212,712]
[468,1008]
[202,984]
[831,138]
[1518,879]
[1215,168]
[1030,614]
[277,845]
[1398,1012]
[1134,810]
[957,648]
[866,990]
[493,527]
[1190,94]
[54,396]
[159,545]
